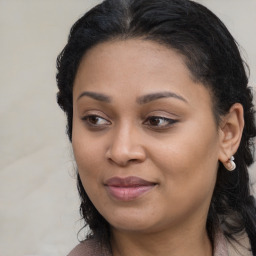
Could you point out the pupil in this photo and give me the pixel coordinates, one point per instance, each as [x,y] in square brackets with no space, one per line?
[155,121]
[94,119]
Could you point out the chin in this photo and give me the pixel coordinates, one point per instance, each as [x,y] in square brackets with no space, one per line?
[126,221]
[133,222]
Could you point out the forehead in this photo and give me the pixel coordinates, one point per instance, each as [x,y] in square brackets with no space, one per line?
[135,51]
[137,67]
[132,56]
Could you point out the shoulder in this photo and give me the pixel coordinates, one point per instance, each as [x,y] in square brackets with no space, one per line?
[241,247]
[89,247]
[224,247]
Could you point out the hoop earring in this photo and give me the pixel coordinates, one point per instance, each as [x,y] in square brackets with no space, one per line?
[230,165]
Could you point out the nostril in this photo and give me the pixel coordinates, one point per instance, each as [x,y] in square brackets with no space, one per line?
[124,161]
[118,162]
[134,160]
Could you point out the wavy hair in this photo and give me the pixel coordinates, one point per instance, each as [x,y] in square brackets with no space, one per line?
[213,58]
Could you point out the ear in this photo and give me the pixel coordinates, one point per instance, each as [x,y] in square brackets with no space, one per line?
[230,131]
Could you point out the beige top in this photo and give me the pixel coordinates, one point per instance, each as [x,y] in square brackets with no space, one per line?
[91,247]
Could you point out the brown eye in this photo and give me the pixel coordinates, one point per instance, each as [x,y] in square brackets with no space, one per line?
[155,121]
[95,121]
[158,121]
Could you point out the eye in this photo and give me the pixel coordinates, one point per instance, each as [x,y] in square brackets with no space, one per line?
[159,122]
[96,121]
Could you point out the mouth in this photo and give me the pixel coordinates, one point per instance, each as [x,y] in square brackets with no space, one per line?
[129,188]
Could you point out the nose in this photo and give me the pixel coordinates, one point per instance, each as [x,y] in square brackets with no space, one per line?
[126,147]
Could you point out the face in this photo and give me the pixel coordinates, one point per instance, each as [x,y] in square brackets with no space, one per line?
[144,137]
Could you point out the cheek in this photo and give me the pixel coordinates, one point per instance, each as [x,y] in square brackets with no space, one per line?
[87,153]
[188,175]
[88,164]
[189,158]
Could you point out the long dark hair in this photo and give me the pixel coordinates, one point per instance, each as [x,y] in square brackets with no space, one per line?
[211,54]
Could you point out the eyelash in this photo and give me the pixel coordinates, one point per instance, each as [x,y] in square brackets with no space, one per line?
[168,122]
[91,119]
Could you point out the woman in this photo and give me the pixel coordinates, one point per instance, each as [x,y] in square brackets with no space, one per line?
[161,122]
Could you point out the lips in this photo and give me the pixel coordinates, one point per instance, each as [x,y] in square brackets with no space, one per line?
[129,188]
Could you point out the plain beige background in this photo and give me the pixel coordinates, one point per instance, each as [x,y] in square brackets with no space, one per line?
[38,198]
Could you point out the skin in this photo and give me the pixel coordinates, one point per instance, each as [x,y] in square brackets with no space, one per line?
[172,141]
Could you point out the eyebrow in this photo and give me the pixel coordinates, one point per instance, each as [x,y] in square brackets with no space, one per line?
[159,95]
[95,96]
[140,100]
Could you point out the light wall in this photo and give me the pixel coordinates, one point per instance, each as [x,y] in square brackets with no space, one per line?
[38,198]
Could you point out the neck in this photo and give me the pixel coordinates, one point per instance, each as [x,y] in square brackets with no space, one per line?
[164,243]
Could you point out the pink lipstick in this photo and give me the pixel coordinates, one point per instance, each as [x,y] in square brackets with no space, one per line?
[129,188]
